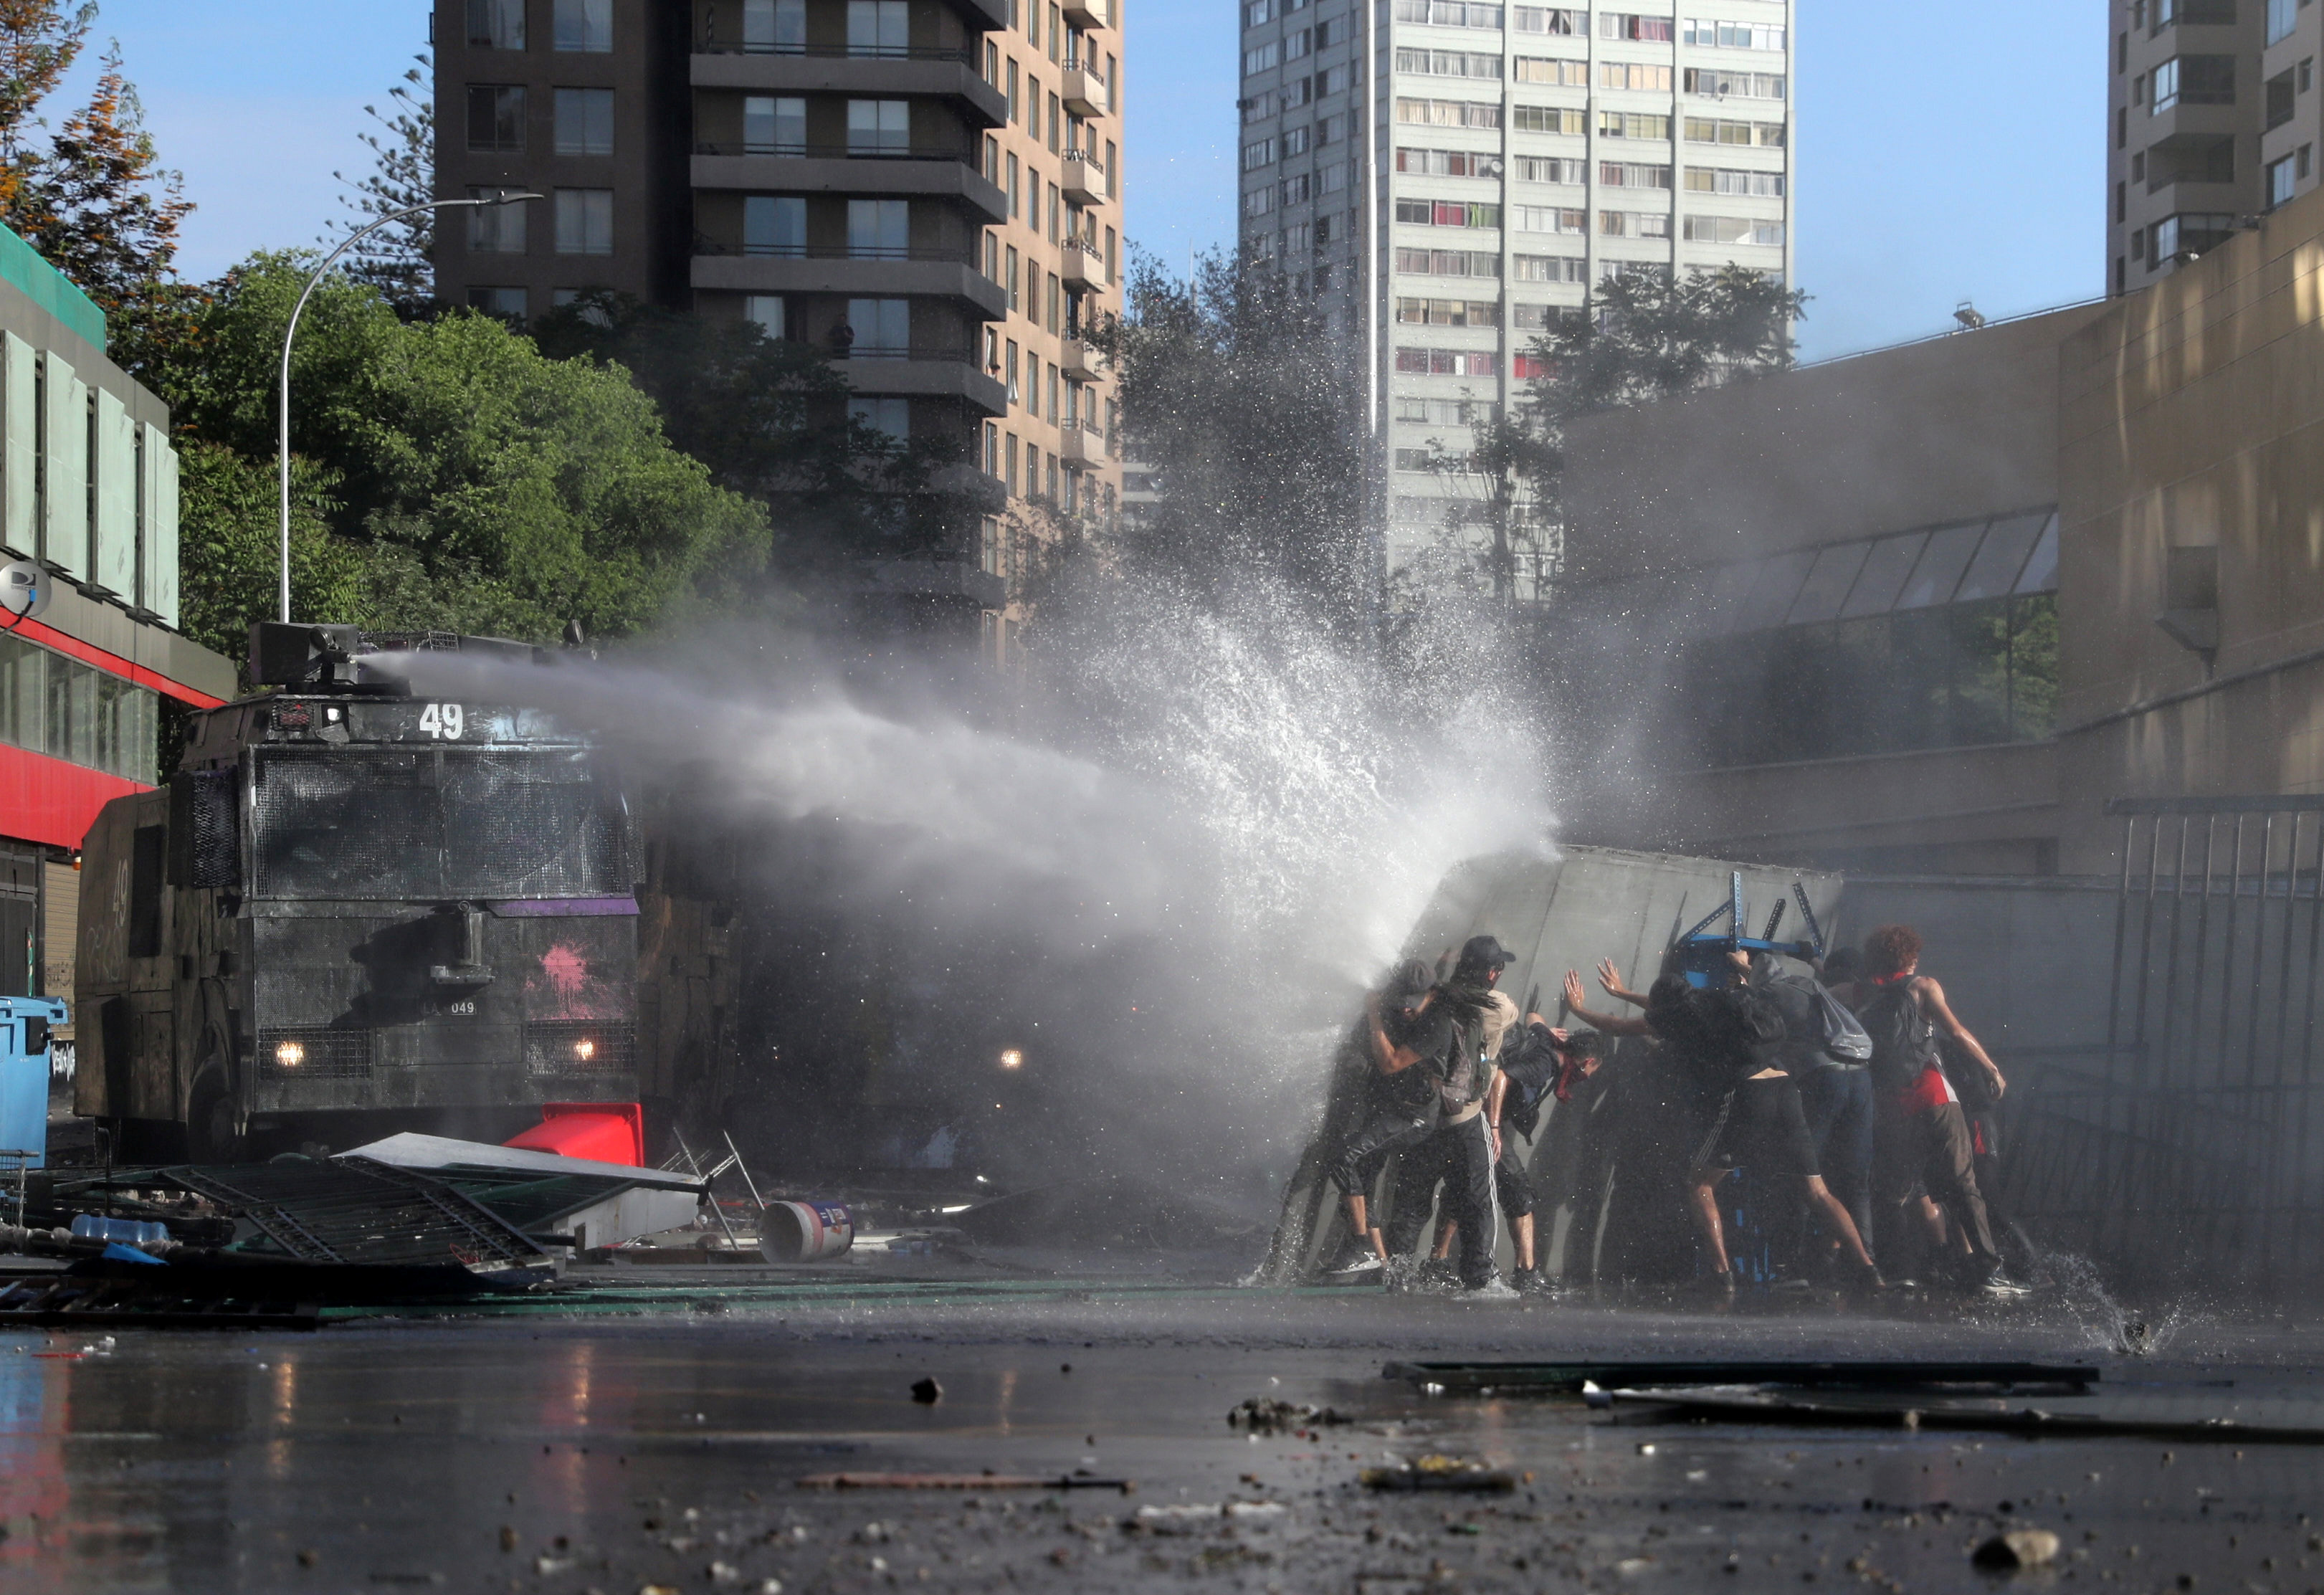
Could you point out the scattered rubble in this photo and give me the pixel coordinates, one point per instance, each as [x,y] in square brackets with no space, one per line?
[1440,1472]
[2019,1548]
[1264,1415]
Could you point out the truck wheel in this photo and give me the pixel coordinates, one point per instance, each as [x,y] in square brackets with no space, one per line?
[210,1135]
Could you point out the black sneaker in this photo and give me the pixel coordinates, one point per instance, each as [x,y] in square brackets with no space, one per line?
[1532,1282]
[1438,1274]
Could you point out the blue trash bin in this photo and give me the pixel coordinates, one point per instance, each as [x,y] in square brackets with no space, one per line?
[24,1026]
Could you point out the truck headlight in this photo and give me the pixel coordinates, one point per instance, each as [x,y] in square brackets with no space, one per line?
[289,1055]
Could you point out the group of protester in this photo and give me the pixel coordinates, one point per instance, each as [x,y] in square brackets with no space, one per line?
[1833,1090]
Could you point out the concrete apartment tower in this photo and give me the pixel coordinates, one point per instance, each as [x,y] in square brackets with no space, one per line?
[2213,119]
[1501,160]
[930,189]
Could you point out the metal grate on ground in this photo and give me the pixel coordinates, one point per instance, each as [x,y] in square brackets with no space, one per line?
[355,1211]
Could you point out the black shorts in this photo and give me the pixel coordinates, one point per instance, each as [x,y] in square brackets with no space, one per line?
[1763,1130]
[1510,1181]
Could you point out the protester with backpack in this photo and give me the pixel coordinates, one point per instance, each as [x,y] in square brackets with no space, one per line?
[1404,1038]
[1829,1057]
[1921,1139]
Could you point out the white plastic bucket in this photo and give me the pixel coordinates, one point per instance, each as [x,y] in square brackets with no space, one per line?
[805,1232]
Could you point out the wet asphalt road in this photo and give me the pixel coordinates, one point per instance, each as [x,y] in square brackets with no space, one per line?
[620,1455]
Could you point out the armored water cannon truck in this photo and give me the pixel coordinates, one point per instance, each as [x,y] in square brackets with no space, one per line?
[356,908]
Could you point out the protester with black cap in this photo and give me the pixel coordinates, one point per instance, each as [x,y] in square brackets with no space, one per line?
[1406,1036]
[1460,1152]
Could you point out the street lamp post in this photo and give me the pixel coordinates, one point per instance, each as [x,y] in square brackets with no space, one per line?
[282,441]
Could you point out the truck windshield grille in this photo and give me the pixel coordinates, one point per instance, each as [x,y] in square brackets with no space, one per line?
[434,824]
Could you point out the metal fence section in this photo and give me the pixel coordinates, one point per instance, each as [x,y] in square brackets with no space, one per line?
[2185,1151]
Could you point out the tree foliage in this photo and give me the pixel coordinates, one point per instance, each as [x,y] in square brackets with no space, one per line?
[1644,336]
[40,39]
[481,484]
[1249,404]
[399,259]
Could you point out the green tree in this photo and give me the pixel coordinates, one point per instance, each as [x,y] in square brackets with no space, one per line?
[1645,337]
[480,484]
[399,259]
[230,547]
[1248,404]
[40,39]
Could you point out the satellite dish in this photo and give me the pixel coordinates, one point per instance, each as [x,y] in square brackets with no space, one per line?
[25,589]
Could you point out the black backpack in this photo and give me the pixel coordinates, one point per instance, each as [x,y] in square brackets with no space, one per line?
[1904,1039]
[1822,1031]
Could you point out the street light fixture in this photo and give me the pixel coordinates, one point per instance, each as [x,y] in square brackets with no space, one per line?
[282,441]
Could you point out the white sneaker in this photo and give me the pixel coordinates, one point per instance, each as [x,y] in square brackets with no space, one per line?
[1999,1286]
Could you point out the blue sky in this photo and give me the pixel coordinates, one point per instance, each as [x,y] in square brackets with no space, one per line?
[1943,156]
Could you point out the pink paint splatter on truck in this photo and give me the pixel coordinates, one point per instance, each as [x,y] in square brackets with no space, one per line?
[564,982]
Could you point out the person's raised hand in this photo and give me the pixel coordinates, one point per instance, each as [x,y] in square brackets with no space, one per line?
[1609,977]
[1574,994]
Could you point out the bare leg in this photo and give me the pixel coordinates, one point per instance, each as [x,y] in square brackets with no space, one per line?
[1835,1216]
[1933,1217]
[1703,1207]
[1521,1230]
[1447,1233]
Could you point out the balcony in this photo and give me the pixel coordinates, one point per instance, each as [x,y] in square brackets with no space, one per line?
[1084,179]
[940,74]
[1085,92]
[931,372]
[1081,266]
[1081,362]
[838,169]
[1082,446]
[894,274]
[1089,13]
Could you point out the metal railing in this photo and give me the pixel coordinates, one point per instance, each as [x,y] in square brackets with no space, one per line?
[949,353]
[841,151]
[889,53]
[834,252]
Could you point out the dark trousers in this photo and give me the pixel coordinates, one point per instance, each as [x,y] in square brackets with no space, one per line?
[1385,1132]
[1838,1103]
[1930,1149]
[1459,1156]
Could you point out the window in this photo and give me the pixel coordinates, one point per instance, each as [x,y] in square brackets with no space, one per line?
[2280,180]
[1300,45]
[496,25]
[774,125]
[1571,123]
[2279,99]
[2283,16]
[498,301]
[1299,238]
[1528,368]
[49,704]
[497,229]
[1718,85]
[892,418]
[1295,141]
[1448,63]
[1258,12]
[774,26]
[1448,162]
[1448,113]
[1264,58]
[1628,125]
[2188,235]
[1260,201]
[1539,19]
[881,127]
[1448,362]
[1634,75]
[584,221]
[1725,35]
[1555,71]
[1014,188]
[1647,30]
[2195,80]
[584,27]
[1550,218]
[1627,174]
[878,27]
[1297,188]
[1446,412]
[1009,282]
[1637,224]
[1734,229]
[1759,184]
[1712,130]
[882,327]
[1541,168]
[1444,312]
[1448,14]
[2212,14]
[1427,459]
[1015,112]
[1448,262]
[585,121]
[767,311]
[880,229]
[1441,213]
[1550,268]
[496,118]
[774,223]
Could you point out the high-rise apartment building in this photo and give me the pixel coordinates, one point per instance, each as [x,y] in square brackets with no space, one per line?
[2212,119]
[929,189]
[1502,159]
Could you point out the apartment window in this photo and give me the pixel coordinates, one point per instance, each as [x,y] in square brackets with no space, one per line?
[768,313]
[1628,174]
[2301,159]
[1016,205]
[1300,45]
[1448,63]
[1259,154]
[1056,117]
[585,121]
[1549,218]
[2194,80]
[880,127]
[496,25]
[1637,223]
[1556,72]
[2307,74]
[584,27]
[506,302]
[1551,169]
[774,124]
[1733,229]
[1442,312]
[1757,185]
[1630,124]
[2279,99]
[1548,268]
[1260,201]
[1448,262]
[2283,16]
[890,418]
[1258,12]
[882,328]
[1725,35]
[1413,362]
[2121,275]
[880,229]
[584,221]
[878,27]
[1016,113]
[2214,13]
[1111,263]
[1441,213]
[1637,75]
[1008,374]
[1719,85]
[1646,30]
[1446,412]
[776,27]
[1448,14]
[495,229]
[1544,19]
[2121,53]
[2279,182]
[1569,121]
[496,118]
[2188,235]
[1712,130]
[2121,201]
[1448,162]
[774,223]
[1009,282]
